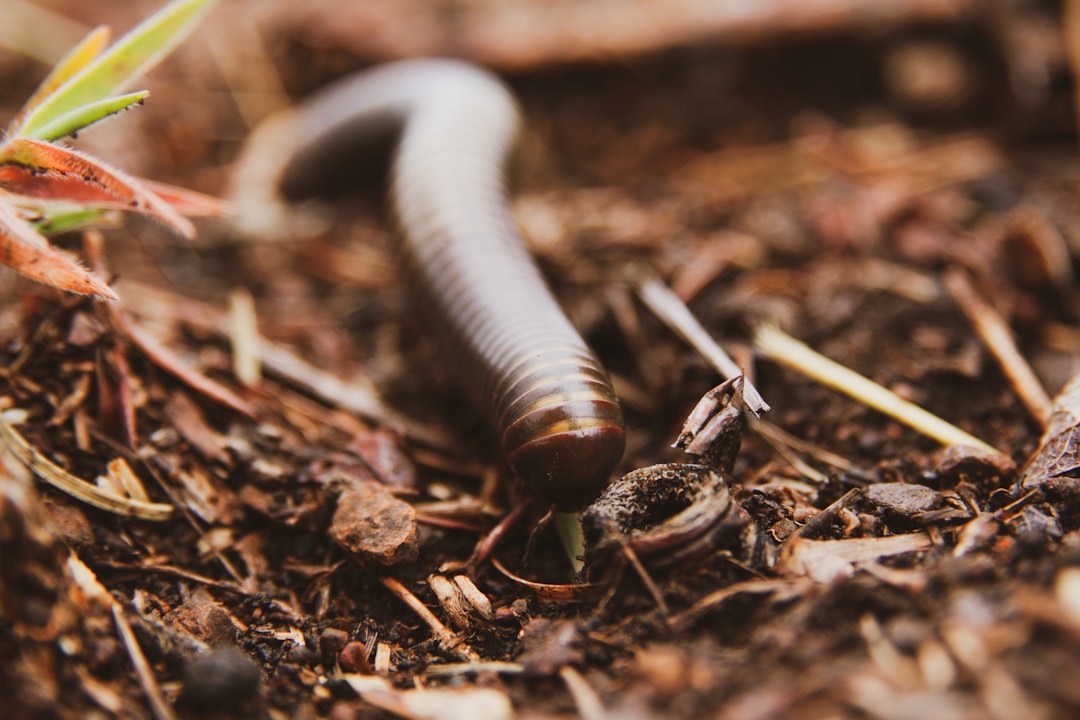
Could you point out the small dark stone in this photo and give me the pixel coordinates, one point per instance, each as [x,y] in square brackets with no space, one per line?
[304,655]
[225,678]
[902,498]
[958,463]
[331,641]
[548,645]
[353,658]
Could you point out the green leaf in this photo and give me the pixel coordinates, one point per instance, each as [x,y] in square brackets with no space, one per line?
[129,58]
[568,528]
[87,115]
[28,253]
[76,59]
[61,219]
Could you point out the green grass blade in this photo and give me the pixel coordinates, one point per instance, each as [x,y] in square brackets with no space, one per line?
[568,528]
[86,115]
[128,59]
[76,59]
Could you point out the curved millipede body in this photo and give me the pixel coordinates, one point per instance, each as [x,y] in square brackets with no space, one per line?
[515,352]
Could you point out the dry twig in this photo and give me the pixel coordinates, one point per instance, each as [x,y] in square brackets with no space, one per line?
[145,676]
[447,639]
[587,701]
[777,345]
[673,312]
[244,337]
[999,341]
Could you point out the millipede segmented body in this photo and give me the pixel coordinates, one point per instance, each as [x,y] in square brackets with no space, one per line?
[516,353]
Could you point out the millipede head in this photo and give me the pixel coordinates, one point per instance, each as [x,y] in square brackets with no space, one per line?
[570,468]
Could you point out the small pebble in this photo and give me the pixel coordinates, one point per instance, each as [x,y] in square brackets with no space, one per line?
[374,525]
[331,641]
[902,498]
[353,658]
[225,678]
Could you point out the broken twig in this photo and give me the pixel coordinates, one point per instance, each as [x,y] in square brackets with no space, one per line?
[673,312]
[999,341]
[774,343]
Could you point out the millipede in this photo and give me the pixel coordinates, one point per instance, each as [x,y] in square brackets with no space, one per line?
[515,353]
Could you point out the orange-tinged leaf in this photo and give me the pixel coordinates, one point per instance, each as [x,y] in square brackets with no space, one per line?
[55,172]
[188,202]
[76,59]
[26,252]
[31,184]
[36,186]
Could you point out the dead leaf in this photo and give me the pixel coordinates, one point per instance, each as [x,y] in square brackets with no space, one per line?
[1055,466]
[47,171]
[28,253]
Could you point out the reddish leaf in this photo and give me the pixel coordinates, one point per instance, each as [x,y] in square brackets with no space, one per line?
[38,185]
[28,253]
[188,202]
[55,172]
